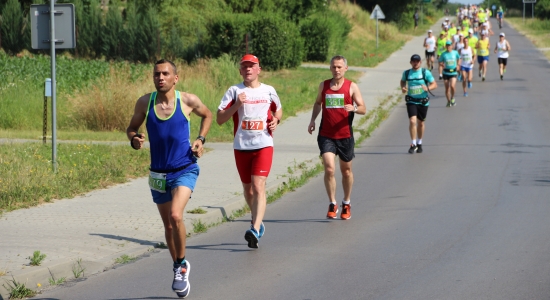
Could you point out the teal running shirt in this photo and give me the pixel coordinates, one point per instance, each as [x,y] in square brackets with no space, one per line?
[450,60]
[415,82]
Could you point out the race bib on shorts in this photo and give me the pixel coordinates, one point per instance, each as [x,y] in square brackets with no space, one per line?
[157,181]
[334,101]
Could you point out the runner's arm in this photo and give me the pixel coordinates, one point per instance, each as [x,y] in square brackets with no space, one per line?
[137,120]
[508,48]
[357,100]
[432,85]
[403,85]
[317,106]
[223,115]
[204,113]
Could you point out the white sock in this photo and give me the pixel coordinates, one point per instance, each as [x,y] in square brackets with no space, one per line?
[413,142]
[419,142]
[346,202]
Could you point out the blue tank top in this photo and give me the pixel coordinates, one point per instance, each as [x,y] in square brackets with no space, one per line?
[169,140]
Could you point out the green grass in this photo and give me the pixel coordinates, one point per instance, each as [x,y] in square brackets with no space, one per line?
[36,258]
[198,210]
[124,259]
[27,179]
[53,281]
[78,269]
[199,226]
[18,290]
[536,30]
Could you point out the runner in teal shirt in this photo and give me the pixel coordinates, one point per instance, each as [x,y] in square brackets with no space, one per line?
[450,62]
[416,83]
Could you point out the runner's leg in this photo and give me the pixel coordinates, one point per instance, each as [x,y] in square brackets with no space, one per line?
[258,201]
[452,85]
[412,127]
[447,84]
[330,180]
[347,178]
[172,217]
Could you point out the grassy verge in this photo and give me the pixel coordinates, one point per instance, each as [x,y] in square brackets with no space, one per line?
[107,109]
[537,31]
[26,177]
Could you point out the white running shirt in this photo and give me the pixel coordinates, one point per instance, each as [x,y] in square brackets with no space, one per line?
[430,42]
[251,120]
[459,46]
[467,57]
[502,50]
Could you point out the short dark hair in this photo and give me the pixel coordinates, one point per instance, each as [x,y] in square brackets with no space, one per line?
[166,61]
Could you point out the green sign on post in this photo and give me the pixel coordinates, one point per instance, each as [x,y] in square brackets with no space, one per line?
[427,1]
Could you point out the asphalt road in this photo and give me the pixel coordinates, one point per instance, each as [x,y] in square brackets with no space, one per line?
[466,219]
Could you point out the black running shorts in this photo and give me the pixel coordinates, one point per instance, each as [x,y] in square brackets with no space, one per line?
[420,111]
[341,147]
[429,54]
[448,77]
[502,61]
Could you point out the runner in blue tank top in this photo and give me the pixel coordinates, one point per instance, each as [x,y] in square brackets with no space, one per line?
[174,168]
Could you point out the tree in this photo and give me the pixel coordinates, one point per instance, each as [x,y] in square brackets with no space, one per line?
[12,28]
[112,31]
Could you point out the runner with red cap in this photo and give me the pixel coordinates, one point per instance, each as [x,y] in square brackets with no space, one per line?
[256,111]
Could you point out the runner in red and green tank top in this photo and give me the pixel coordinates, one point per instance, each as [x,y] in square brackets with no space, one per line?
[336,121]
[339,99]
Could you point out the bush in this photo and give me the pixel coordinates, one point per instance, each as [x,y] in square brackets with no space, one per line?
[112,31]
[324,35]
[227,35]
[277,43]
[12,28]
[542,9]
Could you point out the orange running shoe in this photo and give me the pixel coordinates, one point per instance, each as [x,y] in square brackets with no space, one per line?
[332,211]
[346,211]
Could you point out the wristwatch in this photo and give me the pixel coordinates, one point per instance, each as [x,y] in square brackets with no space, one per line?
[202,138]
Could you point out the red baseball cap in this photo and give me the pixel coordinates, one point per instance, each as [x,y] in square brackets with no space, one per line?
[250,58]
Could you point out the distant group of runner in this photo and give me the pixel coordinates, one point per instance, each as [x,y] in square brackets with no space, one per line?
[455,49]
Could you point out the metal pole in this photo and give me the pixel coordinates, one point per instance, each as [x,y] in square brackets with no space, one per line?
[523,12]
[45,128]
[377,30]
[54,119]
[532,10]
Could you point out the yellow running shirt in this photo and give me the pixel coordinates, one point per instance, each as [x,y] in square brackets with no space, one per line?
[482,17]
[484,47]
[472,42]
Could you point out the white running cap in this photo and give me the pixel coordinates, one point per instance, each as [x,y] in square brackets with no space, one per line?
[430,31]
[502,34]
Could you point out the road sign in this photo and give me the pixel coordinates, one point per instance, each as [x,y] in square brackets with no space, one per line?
[529,1]
[40,26]
[494,7]
[377,13]
[427,1]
